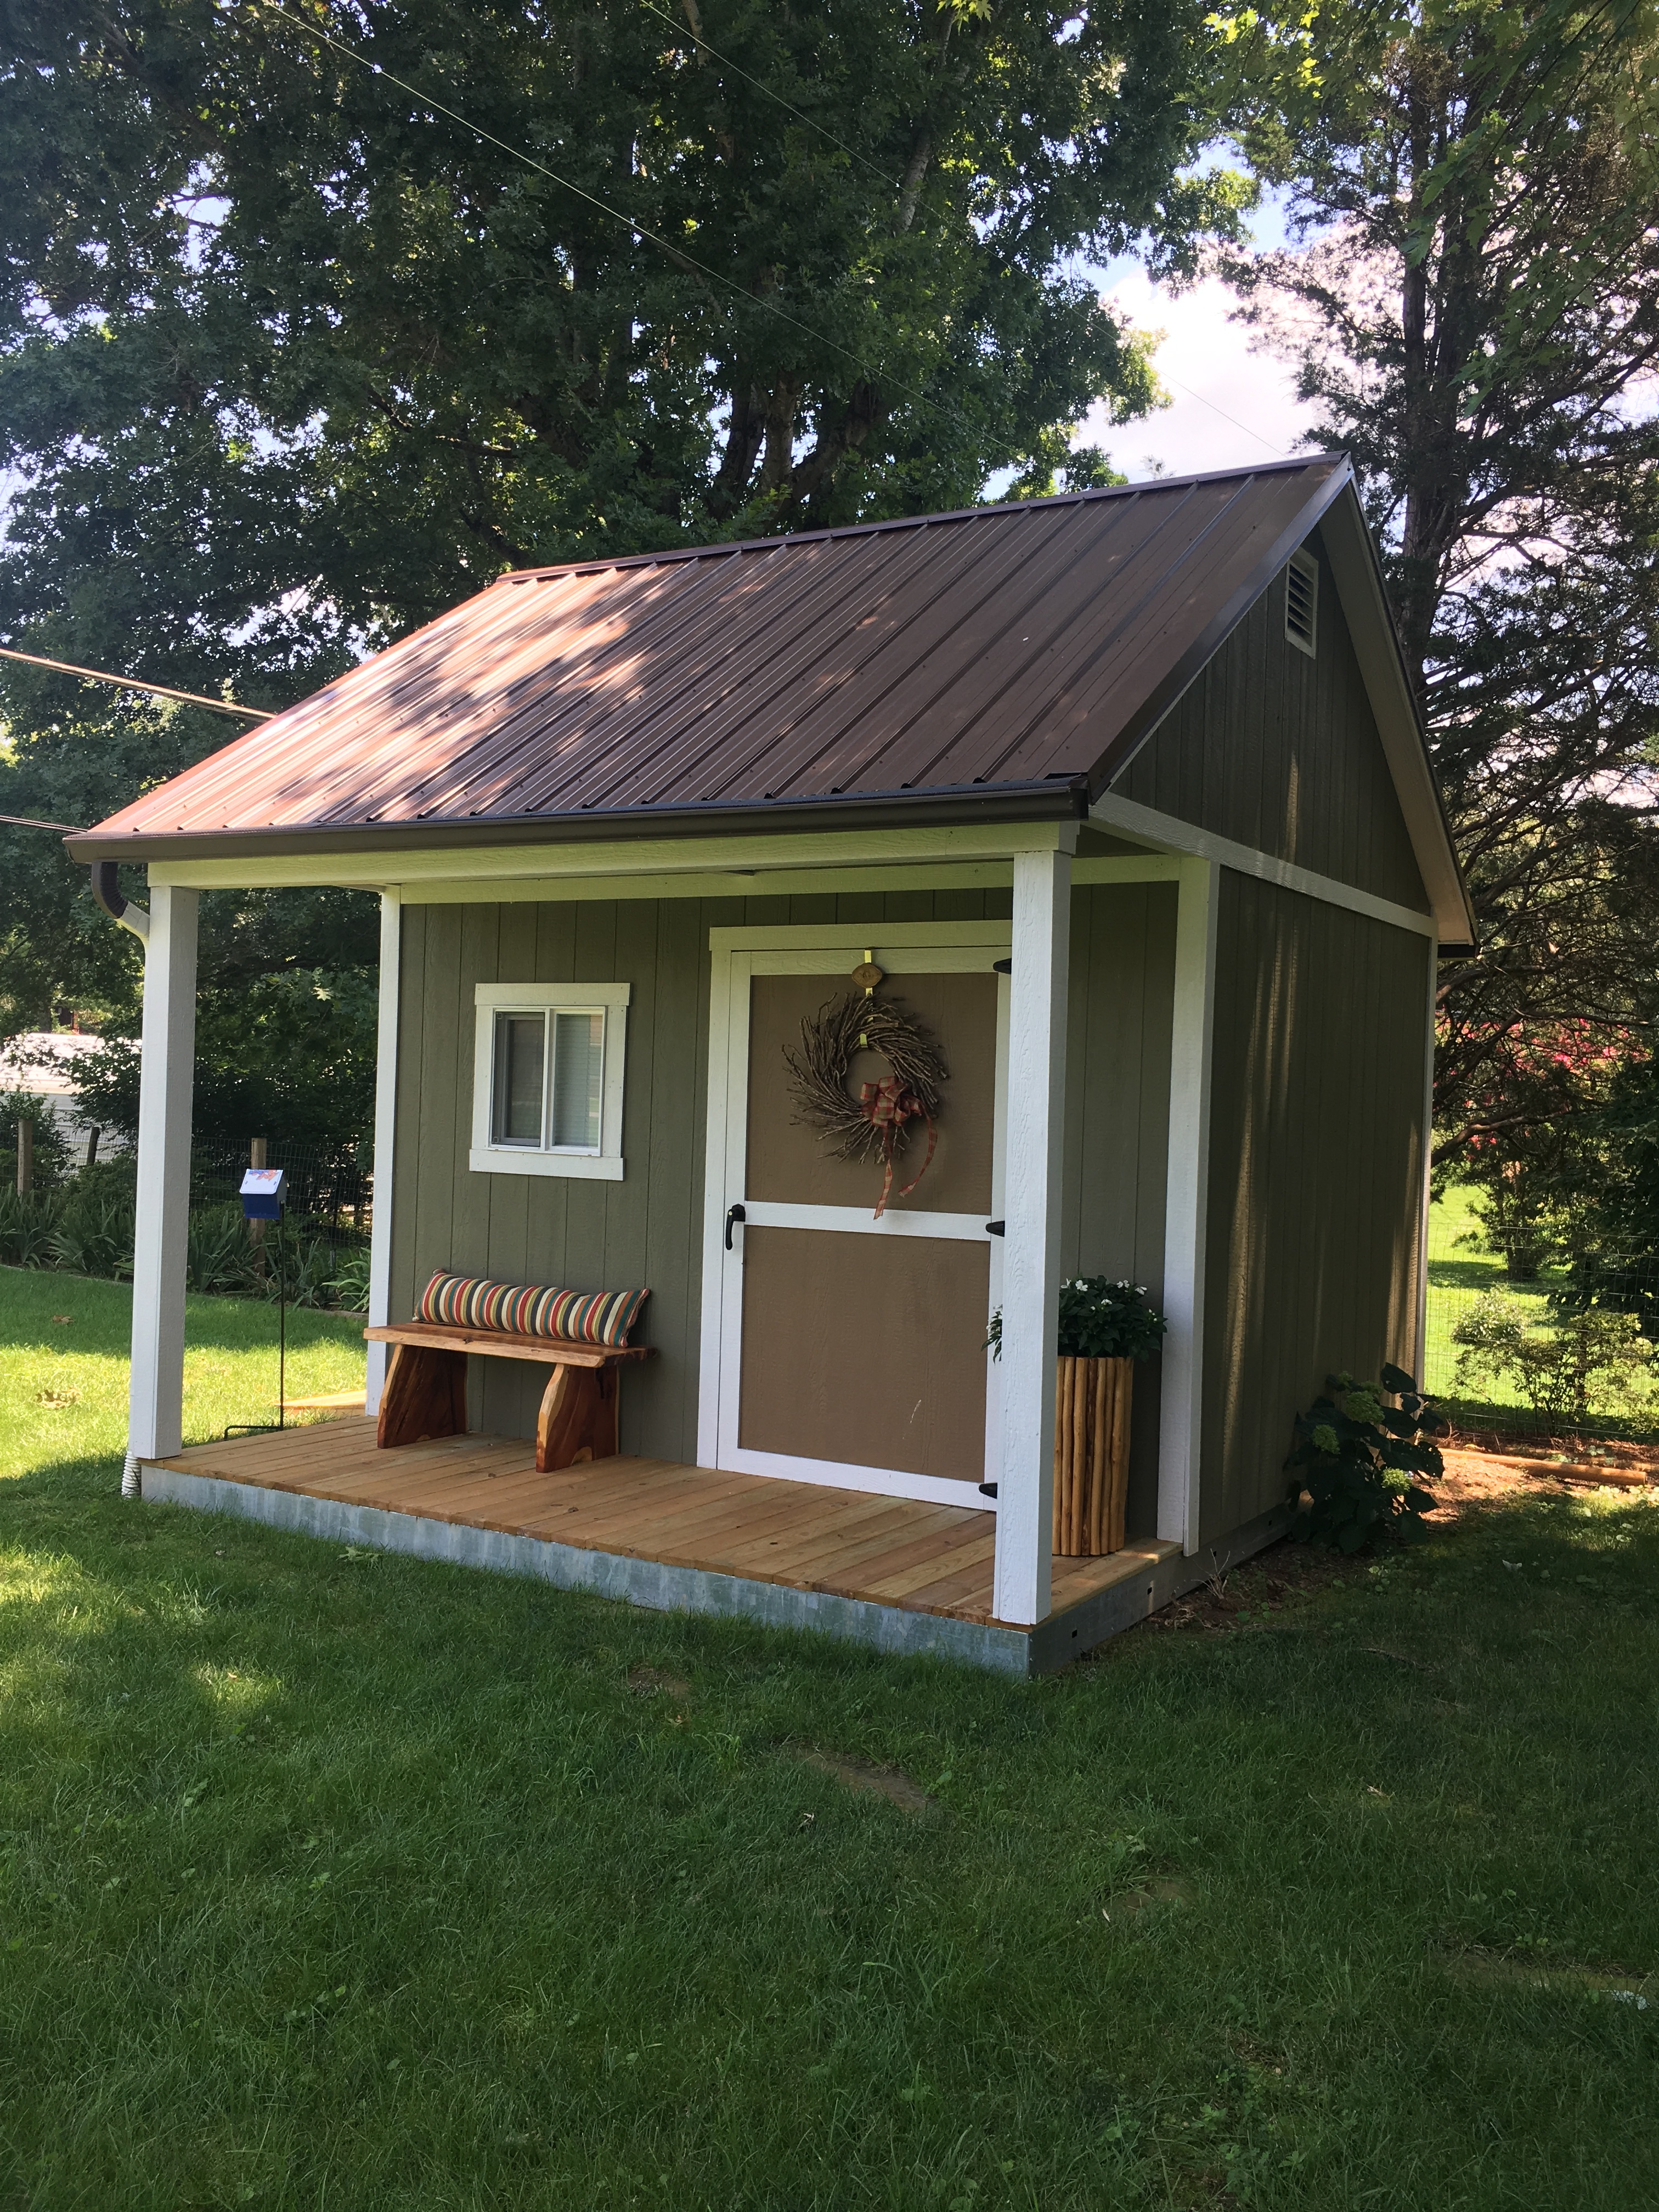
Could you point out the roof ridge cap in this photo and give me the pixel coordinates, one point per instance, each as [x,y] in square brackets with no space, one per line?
[596,564]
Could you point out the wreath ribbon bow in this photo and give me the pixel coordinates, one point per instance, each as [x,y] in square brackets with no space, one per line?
[887,1106]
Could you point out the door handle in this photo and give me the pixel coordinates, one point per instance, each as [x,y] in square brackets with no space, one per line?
[733,1214]
[996,1228]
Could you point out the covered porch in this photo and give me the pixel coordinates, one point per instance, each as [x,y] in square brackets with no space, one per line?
[898,1574]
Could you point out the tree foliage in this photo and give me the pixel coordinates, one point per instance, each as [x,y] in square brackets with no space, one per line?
[291,358]
[1478,321]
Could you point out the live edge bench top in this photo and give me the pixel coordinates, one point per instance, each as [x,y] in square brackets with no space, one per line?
[444,1336]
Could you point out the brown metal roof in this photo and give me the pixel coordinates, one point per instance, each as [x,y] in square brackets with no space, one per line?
[1011,656]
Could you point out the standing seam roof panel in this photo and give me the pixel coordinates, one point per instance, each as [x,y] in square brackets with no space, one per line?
[1002,645]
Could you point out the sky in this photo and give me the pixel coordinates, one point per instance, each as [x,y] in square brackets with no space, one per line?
[1229,407]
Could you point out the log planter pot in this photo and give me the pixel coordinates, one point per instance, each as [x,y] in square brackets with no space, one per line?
[1092,1400]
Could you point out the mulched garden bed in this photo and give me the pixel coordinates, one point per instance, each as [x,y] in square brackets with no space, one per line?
[1480,1470]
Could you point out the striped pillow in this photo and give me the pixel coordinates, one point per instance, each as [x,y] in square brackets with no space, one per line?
[523,1309]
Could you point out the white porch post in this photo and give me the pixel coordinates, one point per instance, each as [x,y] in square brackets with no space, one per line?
[156,1399]
[1186,1203]
[1035,1108]
[386,1130]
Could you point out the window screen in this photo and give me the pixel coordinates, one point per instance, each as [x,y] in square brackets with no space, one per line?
[521,1056]
[578,1078]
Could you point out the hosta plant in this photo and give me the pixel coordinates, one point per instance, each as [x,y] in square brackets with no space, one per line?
[1360,1464]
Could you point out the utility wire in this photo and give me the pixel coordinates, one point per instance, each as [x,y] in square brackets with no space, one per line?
[28,822]
[685,31]
[1225,416]
[135,683]
[675,253]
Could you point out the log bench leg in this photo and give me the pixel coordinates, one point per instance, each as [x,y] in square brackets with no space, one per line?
[424,1396]
[578,1419]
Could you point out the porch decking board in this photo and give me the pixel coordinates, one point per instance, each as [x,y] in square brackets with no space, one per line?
[908,1555]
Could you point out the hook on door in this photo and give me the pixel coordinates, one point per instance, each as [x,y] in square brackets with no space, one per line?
[733,1214]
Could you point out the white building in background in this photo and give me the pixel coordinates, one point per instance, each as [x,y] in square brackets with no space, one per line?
[43,1064]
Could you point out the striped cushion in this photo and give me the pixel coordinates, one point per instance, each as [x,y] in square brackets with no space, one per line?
[523,1309]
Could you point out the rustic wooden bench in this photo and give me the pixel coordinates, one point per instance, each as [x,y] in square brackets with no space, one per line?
[425,1392]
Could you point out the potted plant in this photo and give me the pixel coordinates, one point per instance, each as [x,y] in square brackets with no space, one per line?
[1104,1328]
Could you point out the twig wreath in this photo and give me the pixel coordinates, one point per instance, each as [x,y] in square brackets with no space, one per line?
[875,1124]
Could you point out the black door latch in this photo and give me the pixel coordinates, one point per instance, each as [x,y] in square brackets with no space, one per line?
[733,1213]
[996,1228]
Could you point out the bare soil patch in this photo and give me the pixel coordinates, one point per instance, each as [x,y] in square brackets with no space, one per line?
[1261,1591]
[657,1682]
[863,1774]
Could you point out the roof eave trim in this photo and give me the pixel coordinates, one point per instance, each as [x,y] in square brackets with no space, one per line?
[1055,799]
[1159,702]
[1358,577]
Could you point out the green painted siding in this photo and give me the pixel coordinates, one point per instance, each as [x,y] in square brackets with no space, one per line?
[1117,1119]
[583,1234]
[1315,1175]
[1280,752]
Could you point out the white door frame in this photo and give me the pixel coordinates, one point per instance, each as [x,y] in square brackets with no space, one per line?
[826,949]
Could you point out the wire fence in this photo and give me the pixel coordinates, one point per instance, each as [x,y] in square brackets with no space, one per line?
[83,1223]
[1557,1350]
[329,1187]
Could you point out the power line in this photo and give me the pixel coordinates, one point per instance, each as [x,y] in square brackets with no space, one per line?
[637,229]
[28,822]
[1225,416]
[686,31]
[136,684]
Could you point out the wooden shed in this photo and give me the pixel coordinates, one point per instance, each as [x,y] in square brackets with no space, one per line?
[1124,795]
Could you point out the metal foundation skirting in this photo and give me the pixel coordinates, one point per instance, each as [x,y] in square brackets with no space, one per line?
[647,1583]
[660,1588]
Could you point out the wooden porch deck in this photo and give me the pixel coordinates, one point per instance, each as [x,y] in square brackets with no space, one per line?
[907,1558]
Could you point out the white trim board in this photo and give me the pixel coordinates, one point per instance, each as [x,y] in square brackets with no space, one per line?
[1133,820]
[1186,1204]
[604,1165]
[372,867]
[385,1131]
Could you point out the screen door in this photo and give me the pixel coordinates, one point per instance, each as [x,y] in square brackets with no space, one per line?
[852,1349]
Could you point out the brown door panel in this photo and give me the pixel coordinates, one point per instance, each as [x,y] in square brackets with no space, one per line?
[791,1163]
[866,1351]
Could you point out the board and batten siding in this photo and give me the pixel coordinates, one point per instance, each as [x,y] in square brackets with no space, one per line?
[585,1235]
[1280,751]
[1315,1213]
[1120,1009]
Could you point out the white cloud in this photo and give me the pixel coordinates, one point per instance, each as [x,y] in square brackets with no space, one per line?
[1229,406]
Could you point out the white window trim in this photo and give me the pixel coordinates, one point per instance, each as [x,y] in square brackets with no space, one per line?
[490,999]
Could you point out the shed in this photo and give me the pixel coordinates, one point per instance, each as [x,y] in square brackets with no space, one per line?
[1125,795]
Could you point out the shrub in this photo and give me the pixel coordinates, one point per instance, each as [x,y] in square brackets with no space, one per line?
[1594,1361]
[217,1255]
[26,1222]
[1360,1465]
[349,1285]
[1099,1319]
[94,1235]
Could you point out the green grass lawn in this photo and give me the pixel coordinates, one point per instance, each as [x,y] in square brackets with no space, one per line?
[1462,1270]
[344,1882]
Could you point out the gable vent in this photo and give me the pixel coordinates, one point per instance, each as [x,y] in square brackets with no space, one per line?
[1302,602]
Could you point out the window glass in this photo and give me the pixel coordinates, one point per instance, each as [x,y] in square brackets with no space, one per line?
[520,1051]
[578,1078]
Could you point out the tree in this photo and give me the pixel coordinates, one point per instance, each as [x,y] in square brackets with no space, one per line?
[291,358]
[1476,318]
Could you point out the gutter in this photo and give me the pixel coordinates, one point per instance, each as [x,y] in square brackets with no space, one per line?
[108,896]
[1052,799]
